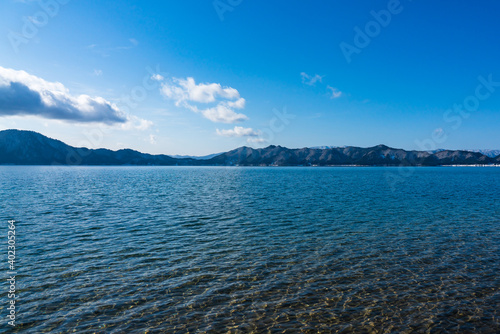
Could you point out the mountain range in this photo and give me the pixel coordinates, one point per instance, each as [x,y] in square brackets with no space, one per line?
[19,147]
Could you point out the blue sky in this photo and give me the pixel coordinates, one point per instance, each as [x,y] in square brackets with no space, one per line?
[198,77]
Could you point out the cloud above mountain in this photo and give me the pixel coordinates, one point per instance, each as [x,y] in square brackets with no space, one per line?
[238,131]
[211,100]
[23,94]
[251,135]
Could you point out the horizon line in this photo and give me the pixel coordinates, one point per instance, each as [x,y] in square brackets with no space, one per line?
[318,147]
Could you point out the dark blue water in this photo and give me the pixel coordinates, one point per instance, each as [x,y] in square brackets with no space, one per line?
[262,250]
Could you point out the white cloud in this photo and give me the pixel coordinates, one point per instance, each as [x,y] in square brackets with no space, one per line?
[222,112]
[252,136]
[152,139]
[185,92]
[257,140]
[97,73]
[157,77]
[134,122]
[238,131]
[187,89]
[335,92]
[23,94]
[311,80]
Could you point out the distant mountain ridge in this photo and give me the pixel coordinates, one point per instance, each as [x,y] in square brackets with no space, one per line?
[489,153]
[31,148]
[203,157]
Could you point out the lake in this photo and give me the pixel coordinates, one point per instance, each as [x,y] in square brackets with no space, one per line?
[263,250]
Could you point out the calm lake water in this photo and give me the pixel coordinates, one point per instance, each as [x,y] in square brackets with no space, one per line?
[263,250]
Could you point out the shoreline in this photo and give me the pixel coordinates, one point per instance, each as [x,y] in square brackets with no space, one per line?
[258,166]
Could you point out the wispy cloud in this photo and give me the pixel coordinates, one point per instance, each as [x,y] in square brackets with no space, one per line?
[106,51]
[251,135]
[23,94]
[152,139]
[238,131]
[311,80]
[97,73]
[197,97]
[334,92]
[256,140]
[133,44]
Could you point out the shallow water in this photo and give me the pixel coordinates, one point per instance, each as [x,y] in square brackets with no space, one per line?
[263,250]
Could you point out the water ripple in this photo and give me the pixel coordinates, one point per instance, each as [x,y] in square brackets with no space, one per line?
[254,250]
